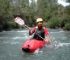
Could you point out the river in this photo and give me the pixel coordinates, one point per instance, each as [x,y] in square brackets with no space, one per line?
[11,42]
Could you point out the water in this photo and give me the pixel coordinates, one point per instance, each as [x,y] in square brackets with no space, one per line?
[11,42]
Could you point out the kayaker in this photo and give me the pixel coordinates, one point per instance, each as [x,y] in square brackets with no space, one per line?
[40,32]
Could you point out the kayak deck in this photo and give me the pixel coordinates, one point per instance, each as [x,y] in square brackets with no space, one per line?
[32,45]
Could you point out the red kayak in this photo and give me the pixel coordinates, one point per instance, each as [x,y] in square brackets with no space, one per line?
[31,45]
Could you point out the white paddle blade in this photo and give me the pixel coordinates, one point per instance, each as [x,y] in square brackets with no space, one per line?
[19,21]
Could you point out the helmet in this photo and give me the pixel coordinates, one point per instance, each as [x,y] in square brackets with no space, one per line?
[39,19]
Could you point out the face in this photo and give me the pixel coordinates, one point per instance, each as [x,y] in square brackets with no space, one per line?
[40,24]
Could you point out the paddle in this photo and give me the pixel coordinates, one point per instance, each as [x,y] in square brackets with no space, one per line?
[21,22]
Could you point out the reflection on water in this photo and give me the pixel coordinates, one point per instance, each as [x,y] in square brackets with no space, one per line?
[11,42]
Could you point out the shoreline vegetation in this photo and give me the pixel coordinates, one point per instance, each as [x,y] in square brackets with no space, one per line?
[54,15]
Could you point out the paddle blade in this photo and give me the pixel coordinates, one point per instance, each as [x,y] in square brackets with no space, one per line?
[19,21]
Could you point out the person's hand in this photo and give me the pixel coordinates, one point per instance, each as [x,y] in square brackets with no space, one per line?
[47,40]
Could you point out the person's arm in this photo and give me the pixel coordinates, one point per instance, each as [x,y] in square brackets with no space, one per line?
[46,31]
[47,36]
[32,30]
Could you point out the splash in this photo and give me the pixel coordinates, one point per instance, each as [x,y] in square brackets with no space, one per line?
[63,44]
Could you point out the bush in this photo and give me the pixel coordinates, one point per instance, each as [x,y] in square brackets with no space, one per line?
[13,25]
[10,25]
[1,28]
[67,26]
[53,23]
[64,21]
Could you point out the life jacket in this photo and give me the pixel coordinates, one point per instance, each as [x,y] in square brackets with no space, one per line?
[39,34]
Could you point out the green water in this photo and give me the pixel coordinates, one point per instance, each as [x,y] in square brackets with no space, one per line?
[11,42]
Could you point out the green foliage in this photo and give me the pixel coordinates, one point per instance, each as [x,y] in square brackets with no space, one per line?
[68,1]
[53,22]
[10,25]
[47,9]
[67,26]
[64,21]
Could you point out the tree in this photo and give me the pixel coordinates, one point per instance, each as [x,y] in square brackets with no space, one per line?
[4,13]
[68,1]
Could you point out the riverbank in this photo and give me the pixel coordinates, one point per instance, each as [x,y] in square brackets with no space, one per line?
[58,29]
[56,22]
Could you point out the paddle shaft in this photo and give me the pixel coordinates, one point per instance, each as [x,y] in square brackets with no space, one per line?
[27,26]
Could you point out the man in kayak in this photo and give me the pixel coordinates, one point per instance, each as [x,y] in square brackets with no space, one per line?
[40,32]
[38,40]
